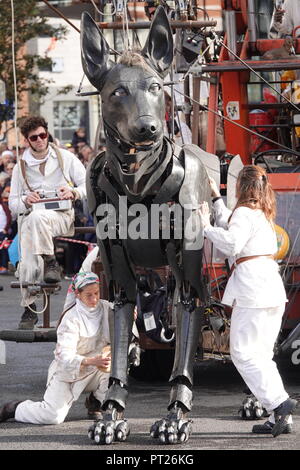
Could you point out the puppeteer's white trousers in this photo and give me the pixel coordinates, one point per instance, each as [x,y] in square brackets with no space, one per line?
[253,333]
[37,231]
[59,397]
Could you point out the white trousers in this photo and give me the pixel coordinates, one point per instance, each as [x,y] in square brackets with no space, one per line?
[253,333]
[59,397]
[37,231]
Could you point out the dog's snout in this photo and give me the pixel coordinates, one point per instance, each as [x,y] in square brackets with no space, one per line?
[146,127]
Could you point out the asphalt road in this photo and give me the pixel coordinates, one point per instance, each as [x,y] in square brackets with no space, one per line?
[217,397]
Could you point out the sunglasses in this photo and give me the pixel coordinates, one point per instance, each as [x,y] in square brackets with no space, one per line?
[42,135]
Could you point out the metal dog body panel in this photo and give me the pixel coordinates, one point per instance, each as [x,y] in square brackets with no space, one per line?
[141,172]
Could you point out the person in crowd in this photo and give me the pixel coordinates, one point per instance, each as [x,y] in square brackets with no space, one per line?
[79,139]
[86,154]
[44,171]
[7,181]
[81,360]
[182,133]
[70,147]
[254,290]
[286,18]
[6,156]
[5,223]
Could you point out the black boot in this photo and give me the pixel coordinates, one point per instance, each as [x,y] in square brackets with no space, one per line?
[267,427]
[8,410]
[94,407]
[28,319]
[51,269]
[281,414]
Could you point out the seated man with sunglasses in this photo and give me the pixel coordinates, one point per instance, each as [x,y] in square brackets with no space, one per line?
[44,171]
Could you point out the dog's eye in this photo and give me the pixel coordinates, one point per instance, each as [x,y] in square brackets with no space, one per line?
[120,92]
[155,87]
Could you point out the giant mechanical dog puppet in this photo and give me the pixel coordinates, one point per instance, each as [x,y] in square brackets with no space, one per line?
[141,166]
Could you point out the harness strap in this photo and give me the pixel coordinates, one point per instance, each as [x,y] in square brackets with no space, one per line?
[246,258]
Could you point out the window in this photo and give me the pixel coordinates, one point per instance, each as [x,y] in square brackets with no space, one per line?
[57,65]
[68,116]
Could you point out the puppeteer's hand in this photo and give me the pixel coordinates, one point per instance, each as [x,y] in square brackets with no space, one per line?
[101,361]
[278,15]
[215,192]
[31,198]
[66,193]
[204,214]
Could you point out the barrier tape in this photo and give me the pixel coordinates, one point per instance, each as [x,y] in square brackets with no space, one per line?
[71,240]
[5,244]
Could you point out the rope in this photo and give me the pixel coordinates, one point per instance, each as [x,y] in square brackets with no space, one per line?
[101,12]
[236,123]
[20,220]
[71,240]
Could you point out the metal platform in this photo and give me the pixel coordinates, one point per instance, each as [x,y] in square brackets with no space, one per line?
[38,334]
[44,333]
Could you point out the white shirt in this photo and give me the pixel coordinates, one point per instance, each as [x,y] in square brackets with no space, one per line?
[52,179]
[255,283]
[291,18]
[74,342]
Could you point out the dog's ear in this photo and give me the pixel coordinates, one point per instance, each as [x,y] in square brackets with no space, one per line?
[158,49]
[94,52]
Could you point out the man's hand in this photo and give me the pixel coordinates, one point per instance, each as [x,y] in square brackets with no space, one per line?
[278,15]
[31,198]
[66,193]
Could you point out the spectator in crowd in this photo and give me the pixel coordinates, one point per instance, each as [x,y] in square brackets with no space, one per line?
[5,222]
[182,133]
[86,154]
[7,181]
[286,18]
[6,157]
[79,138]
[44,171]
[71,148]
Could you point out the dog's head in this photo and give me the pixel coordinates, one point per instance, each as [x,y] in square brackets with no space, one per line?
[131,89]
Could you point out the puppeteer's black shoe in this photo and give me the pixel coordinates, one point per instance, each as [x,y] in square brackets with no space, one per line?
[94,407]
[51,270]
[28,319]
[8,410]
[267,427]
[281,414]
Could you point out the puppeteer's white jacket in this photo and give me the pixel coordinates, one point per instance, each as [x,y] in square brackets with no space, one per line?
[78,336]
[52,179]
[254,283]
[74,343]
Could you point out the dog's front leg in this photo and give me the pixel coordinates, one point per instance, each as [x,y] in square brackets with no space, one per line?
[113,426]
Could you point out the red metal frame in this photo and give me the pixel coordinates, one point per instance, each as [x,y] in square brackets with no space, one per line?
[232,77]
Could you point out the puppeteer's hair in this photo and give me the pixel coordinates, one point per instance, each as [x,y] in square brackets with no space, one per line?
[31,123]
[253,190]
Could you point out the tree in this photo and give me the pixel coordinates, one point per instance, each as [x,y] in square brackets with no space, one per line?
[28,24]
